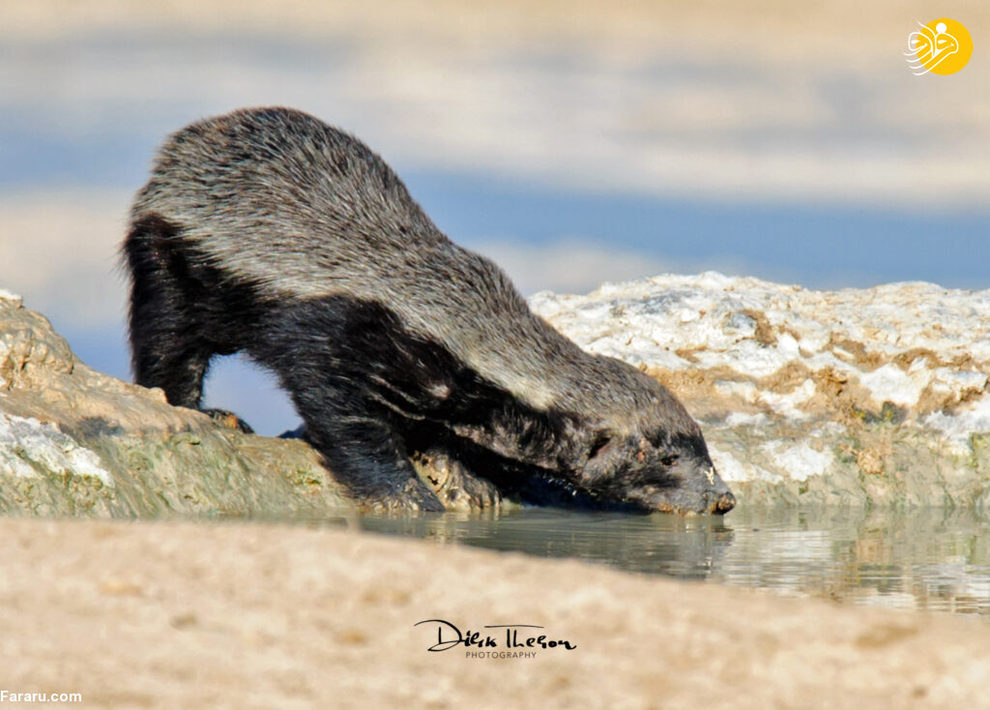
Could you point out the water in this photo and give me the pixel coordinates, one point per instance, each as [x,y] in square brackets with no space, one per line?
[918,559]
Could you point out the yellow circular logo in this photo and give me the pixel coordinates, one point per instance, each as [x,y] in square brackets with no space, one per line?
[943,46]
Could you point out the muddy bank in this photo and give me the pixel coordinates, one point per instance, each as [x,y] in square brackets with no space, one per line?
[165,615]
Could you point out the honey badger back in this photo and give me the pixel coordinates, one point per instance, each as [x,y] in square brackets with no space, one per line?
[269,232]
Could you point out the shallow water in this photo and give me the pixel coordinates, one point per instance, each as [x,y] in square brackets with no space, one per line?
[918,559]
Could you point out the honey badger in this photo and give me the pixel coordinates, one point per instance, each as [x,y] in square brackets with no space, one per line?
[269,232]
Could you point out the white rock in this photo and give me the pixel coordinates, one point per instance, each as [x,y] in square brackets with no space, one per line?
[891,384]
[799,460]
[26,440]
[755,328]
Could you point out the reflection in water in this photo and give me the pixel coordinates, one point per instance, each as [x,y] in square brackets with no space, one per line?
[918,559]
[662,544]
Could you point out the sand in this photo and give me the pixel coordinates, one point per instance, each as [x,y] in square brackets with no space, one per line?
[192,614]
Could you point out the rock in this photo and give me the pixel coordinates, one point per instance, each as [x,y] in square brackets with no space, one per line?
[871,396]
[77,442]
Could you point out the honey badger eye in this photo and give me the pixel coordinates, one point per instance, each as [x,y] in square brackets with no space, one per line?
[669,460]
[601,441]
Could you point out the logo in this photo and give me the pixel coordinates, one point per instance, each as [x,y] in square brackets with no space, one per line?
[943,46]
[504,641]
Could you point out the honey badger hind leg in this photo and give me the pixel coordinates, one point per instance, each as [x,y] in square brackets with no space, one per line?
[171,317]
[167,348]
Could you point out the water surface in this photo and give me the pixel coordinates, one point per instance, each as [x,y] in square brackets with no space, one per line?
[918,559]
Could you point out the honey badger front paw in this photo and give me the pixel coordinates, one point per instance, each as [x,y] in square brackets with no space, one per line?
[456,486]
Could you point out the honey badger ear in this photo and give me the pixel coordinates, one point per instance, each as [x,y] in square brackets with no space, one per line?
[590,443]
[601,442]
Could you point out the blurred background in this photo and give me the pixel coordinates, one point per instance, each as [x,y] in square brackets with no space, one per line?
[573,142]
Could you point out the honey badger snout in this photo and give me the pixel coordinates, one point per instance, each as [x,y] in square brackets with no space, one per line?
[719,498]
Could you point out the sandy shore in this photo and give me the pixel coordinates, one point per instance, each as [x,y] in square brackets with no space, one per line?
[169,615]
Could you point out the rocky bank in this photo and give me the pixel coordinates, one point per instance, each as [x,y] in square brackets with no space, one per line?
[76,442]
[854,397]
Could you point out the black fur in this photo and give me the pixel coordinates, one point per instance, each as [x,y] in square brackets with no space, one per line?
[269,232]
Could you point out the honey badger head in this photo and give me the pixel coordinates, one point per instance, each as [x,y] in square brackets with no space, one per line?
[643,450]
